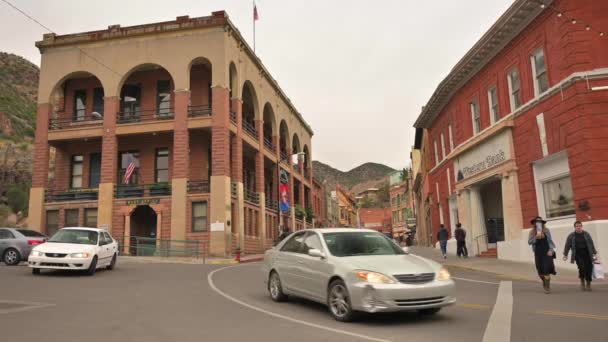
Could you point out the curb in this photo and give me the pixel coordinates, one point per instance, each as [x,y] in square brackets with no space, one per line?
[250,260]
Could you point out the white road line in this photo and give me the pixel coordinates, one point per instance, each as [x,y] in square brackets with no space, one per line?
[499,325]
[475,281]
[287,318]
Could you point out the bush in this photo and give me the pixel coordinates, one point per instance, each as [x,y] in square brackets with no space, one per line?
[17,198]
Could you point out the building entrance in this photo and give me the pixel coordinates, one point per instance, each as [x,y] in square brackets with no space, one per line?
[143,231]
[491,197]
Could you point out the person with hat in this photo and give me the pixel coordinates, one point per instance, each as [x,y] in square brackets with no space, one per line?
[461,245]
[544,251]
[583,252]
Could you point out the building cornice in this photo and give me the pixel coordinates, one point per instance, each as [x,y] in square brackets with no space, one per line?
[504,30]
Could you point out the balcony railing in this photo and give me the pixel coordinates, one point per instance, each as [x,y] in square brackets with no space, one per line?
[249,129]
[61,123]
[269,145]
[284,157]
[233,117]
[233,189]
[272,204]
[199,111]
[197,187]
[142,190]
[252,196]
[135,116]
[71,195]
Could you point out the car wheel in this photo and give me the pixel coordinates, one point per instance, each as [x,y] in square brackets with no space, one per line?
[11,257]
[92,266]
[112,263]
[35,271]
[339,303]
[429,312]
[275,288]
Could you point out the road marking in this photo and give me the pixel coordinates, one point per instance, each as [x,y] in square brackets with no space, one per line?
[475,281]
[573,314]
[12,306]
[499,325]
[474,306]
[287,318]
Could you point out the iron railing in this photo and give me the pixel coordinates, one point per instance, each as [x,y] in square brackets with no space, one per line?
[269,145]
[61,123]
[284,157]
[272,204]
[138,115]
[484,239]
[145,246]
[199,110]
[249,129]
[198,187]
[71,195]
[233,117]
[142,190]
[252,196]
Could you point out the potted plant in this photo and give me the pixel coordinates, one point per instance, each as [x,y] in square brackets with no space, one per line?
[300,213]
[309,214]
[160,189]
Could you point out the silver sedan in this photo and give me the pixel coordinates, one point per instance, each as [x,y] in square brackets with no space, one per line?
[355,270]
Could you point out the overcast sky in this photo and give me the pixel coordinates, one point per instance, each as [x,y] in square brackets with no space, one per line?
[358,71]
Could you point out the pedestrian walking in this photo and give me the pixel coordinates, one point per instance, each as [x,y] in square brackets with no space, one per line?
[583,252]
[461,245]
[442,237]
[544,251]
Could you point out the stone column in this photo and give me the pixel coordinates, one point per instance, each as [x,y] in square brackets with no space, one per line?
[40,172]
[126,242]
[181,163]
[260,182]
[511,206]
[478,227]
[109,161]
[220,203]
[292,213]
[159,225]
[237,172]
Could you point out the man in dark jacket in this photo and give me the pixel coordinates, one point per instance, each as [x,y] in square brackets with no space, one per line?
[461,244]
[442,237]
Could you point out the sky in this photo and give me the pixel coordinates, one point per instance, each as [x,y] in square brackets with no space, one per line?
[358,71]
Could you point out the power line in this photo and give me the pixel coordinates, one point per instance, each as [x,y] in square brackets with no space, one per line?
[51,31]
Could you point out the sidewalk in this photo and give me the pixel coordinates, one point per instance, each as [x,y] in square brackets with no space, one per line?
[501,268]
[192,261]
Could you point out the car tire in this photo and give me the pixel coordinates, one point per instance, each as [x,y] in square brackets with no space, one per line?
[35,271]
[112,263]
[429,312]
[338,301]
[11,257]
[275,288]
[92,266]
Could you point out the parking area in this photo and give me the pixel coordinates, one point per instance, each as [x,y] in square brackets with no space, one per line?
[169,302]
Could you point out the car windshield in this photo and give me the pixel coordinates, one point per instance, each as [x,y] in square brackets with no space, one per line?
[30,233]
[81,237]
[360,243]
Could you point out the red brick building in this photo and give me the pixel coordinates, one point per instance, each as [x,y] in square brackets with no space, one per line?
[319,198]
[192,110]
[517,129]
[377,219]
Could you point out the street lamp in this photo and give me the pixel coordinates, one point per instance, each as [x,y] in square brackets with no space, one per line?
[300,157]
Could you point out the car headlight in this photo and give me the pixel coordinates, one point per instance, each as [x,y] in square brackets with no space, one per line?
[374,277]
[443,274]
[80,255]
[36,254]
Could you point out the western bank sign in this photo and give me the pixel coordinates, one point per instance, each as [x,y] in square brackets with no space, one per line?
[485,156]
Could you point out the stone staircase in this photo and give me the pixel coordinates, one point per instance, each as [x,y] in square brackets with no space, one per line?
[490,253]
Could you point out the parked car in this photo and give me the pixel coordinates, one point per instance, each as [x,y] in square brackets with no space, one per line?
[16,244]
[75,248]
[355,270]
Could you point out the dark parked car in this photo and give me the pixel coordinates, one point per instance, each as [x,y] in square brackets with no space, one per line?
[16,244]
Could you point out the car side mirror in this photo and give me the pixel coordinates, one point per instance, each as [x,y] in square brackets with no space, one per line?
[316,253]
[406,250]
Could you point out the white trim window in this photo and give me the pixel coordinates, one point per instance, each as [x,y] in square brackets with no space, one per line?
[493,104]
[451,137]
[475,117]
[554,192]
[436,152]
[514,89]
[539,70]
[443,147]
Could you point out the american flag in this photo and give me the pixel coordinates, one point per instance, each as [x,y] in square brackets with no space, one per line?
[130,168]
[255,12]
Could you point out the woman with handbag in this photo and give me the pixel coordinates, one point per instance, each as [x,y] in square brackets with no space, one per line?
[544,251]
[583,252]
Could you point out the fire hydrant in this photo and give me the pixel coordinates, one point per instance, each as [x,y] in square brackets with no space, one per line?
[237,257]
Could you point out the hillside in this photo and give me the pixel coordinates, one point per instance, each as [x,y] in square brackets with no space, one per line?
[18,89]
[358,179]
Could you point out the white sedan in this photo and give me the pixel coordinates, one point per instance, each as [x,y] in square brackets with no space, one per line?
[75,249]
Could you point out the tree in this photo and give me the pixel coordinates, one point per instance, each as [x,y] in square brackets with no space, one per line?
[17,198]
[384,195]
[367,202]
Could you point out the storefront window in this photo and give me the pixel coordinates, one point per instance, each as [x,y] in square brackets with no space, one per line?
[558,197]
[71,218]
[52,222]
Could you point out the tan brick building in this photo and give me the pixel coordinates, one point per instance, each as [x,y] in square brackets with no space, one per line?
[193,109]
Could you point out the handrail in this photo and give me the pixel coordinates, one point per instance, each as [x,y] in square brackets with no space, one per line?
[247,127]
[476,239]
[252,196]
[139,115]
[199,110]
[269,145]
[83,194]
[60,123]
[233,117]
[142,190]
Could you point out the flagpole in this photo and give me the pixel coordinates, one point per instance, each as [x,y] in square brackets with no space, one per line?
[254,28]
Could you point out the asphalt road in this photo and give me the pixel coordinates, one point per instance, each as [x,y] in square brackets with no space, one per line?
[178,302]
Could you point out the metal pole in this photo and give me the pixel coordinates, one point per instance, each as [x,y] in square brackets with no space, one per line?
[254,27]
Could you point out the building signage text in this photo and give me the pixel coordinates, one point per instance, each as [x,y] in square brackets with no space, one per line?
[490,153]
[143,201]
